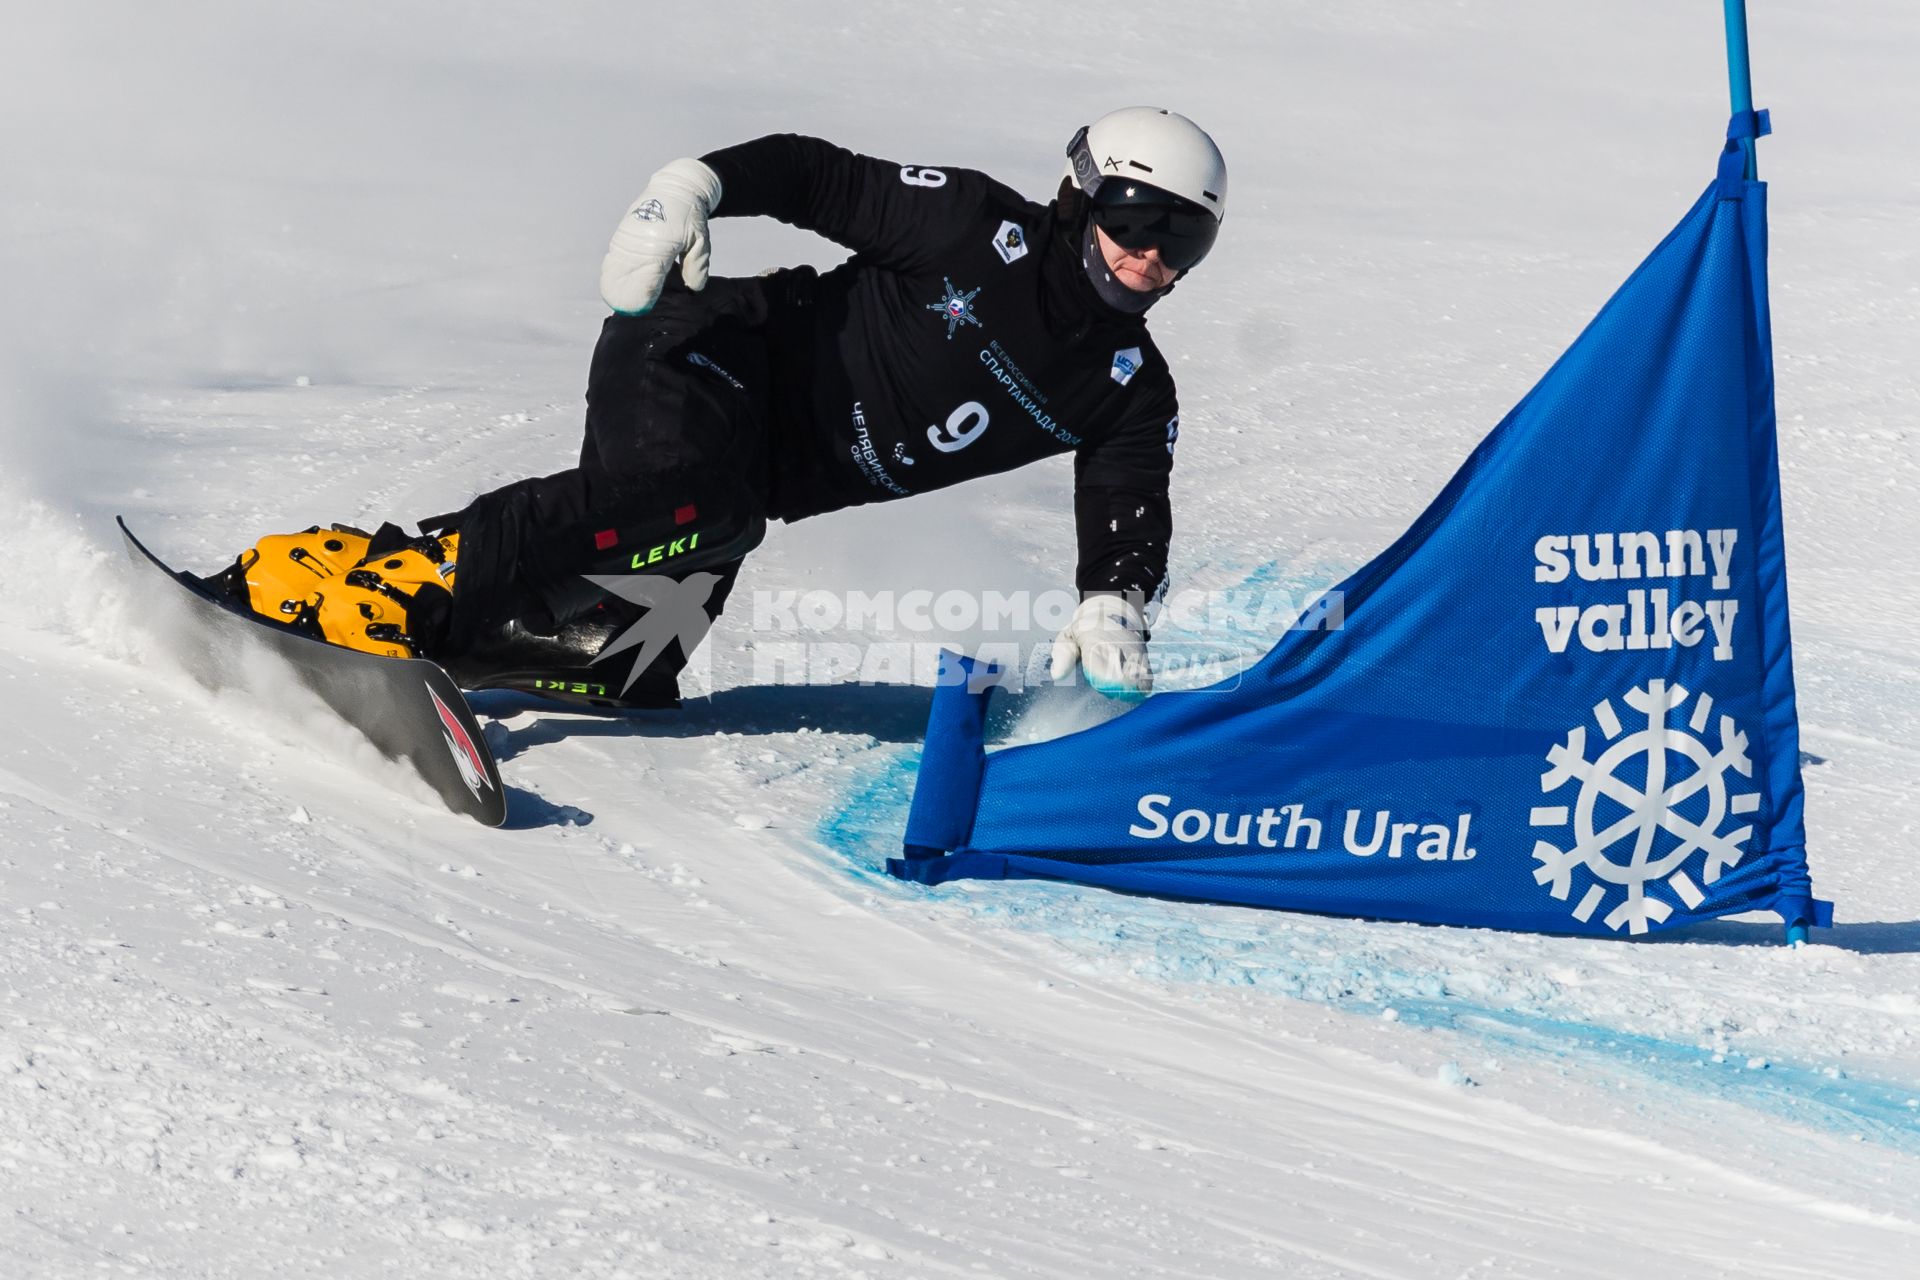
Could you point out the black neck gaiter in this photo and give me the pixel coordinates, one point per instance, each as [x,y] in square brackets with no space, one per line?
[1111,291]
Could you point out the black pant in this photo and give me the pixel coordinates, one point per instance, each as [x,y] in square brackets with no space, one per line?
[672,478]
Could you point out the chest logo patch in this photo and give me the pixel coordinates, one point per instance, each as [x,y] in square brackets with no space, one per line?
[1010,242]
[1125,365]
[957,309]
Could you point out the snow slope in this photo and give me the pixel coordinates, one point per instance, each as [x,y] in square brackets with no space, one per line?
[266,1011]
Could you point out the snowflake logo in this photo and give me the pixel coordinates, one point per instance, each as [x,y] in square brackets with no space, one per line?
[1662,795]
[957,308]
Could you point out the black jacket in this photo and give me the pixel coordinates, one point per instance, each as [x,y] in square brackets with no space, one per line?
[962,339]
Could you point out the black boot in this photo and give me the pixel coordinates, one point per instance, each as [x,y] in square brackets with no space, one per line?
[561,665]
[539,604]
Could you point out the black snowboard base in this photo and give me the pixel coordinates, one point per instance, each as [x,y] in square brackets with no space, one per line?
[409,708]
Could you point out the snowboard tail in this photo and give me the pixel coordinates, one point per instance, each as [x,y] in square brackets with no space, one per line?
[408,708]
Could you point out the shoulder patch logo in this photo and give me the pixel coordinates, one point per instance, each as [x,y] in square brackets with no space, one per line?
[1010,242]
[1125,365]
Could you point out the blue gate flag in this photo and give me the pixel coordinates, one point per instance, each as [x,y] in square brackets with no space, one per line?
[1562,701]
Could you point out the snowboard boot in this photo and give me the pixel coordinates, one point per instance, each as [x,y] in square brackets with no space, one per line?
[391,594]
[538,611]
[564,665]
[385,593]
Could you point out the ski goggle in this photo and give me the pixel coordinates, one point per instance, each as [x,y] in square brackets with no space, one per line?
[1138,215]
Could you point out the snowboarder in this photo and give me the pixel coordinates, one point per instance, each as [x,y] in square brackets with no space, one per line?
[973,331]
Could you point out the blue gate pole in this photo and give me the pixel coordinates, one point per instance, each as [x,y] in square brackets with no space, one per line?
[1740,84]
[1740,77]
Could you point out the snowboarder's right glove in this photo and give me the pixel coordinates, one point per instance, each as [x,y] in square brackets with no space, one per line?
[667,224]
[1107,637]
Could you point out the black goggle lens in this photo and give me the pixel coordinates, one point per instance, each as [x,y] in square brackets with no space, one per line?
[1182,232]
[1136,215]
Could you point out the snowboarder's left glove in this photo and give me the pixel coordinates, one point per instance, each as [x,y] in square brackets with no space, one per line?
[1107,638]
[667,224]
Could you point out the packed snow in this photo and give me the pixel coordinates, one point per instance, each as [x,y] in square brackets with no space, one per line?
[266,1008]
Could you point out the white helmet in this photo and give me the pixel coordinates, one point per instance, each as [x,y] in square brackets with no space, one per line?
[1152,177]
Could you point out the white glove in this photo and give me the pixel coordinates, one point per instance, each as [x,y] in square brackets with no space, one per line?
[667,222]
[1107,637]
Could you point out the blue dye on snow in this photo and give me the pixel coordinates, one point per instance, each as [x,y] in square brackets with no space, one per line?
[1825,1099]
[1505,1011]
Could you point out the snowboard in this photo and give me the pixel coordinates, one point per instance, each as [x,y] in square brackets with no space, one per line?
[408,708]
